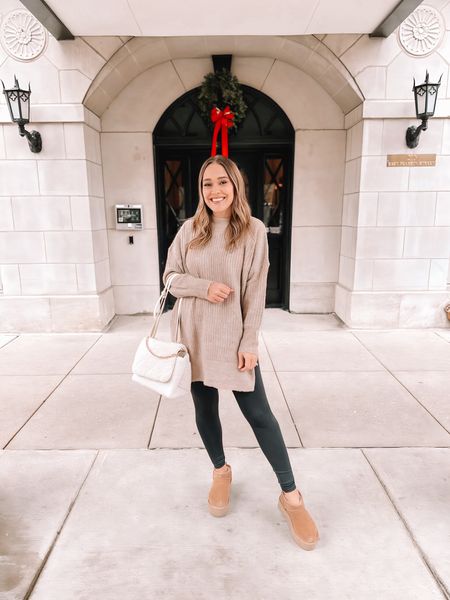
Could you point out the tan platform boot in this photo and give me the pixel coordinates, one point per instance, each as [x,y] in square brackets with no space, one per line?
[302,526]
[220,492]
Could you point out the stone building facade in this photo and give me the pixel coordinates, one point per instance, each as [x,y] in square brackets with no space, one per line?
[367,241]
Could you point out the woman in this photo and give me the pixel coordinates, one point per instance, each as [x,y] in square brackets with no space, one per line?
[221,256]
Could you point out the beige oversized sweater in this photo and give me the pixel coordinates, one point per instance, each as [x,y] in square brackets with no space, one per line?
[214,332]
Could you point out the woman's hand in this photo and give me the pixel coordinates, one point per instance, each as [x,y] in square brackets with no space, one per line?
[247,361]
[218,292]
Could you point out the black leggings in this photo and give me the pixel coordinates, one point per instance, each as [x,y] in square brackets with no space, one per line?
[256,410]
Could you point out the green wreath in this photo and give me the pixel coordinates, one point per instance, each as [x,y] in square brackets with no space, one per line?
[221,89]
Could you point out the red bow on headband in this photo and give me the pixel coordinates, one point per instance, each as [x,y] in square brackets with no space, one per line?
[223,120]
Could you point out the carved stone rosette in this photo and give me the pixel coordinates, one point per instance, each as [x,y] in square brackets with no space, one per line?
[22,36]
[421,32]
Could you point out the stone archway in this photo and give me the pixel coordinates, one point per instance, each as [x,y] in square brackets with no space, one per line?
[128,122]
[306,53]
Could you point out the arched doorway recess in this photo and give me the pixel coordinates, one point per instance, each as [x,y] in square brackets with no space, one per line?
[263,148]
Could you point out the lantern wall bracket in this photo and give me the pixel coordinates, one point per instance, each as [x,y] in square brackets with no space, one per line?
[33,137]
[413,134]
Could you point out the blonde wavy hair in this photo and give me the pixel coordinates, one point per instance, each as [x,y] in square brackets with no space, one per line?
[240,208]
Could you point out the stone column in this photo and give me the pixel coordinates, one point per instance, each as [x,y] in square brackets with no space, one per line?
[395,243]
[54,261]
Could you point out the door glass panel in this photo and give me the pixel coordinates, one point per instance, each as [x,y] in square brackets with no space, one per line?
[174,193]
[274,194]
[245,178]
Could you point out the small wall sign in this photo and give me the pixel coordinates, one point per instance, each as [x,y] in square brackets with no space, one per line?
[411,160]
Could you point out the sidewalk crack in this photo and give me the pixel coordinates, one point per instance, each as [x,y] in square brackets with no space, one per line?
[37,575]
[440,583]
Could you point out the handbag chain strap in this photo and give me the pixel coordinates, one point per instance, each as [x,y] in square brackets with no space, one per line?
[181,352]
[159,307]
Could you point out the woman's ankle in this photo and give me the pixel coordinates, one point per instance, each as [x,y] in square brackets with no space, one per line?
[222,468]
[293,498]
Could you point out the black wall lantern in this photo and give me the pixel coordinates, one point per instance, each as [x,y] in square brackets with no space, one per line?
[425,96]
[19,108]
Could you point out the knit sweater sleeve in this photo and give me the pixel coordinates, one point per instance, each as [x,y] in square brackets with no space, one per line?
[254,297]
[185,284]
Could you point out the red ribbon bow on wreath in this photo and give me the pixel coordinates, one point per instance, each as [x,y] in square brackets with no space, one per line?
[223,120]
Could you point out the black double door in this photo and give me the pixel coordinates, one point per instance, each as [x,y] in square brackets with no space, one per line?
[268,179]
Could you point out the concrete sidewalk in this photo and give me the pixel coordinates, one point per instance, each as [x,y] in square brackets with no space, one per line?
[104,484]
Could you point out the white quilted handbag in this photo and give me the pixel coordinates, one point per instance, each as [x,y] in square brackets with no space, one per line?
[162,366]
